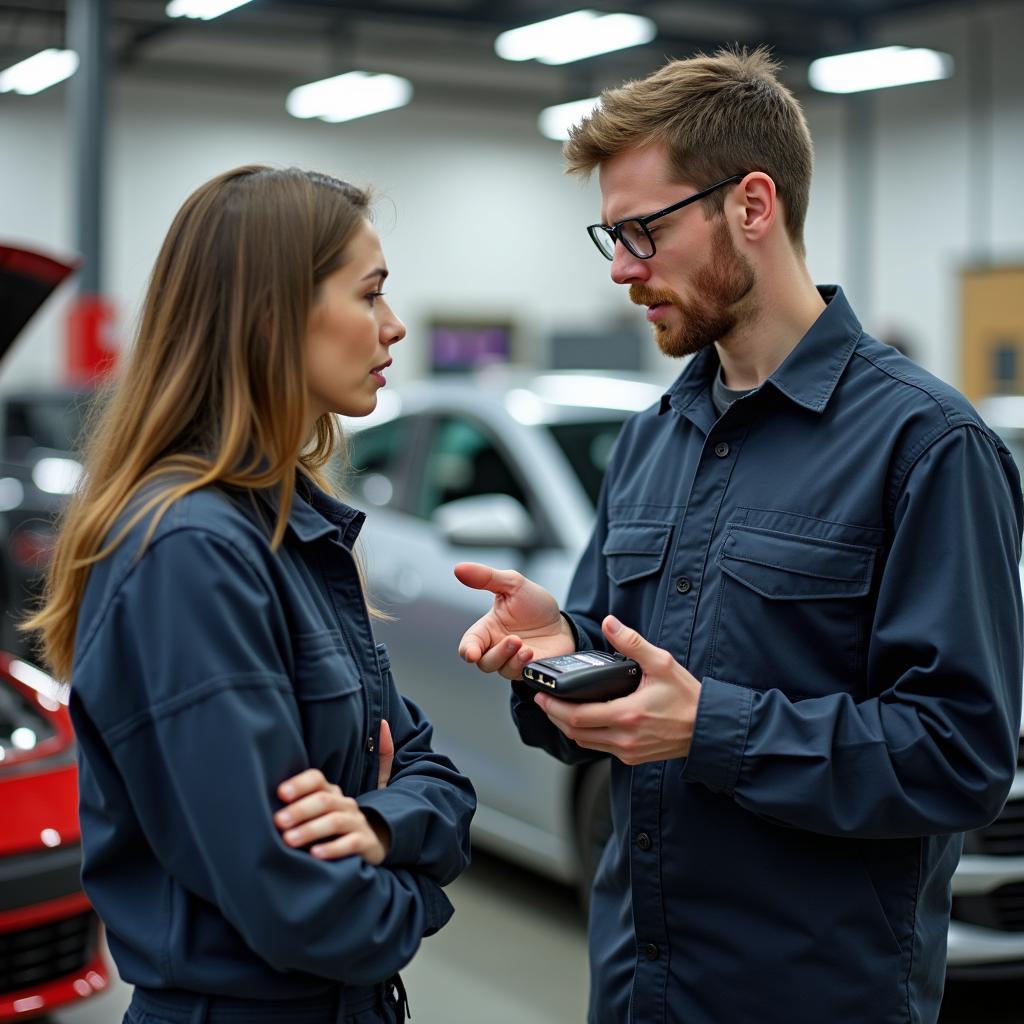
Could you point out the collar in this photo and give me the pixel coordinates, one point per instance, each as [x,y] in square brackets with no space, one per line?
[807,376]
[315,514]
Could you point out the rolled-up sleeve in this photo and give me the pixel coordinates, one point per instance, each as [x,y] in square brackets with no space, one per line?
[933,748]
[201,757]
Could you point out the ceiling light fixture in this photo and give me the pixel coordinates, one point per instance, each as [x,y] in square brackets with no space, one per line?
[555,122]
[574,36]
[46,68]
[881,68]
[205,9]
[348,96]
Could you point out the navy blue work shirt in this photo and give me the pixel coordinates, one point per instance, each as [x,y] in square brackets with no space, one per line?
[205,674]
[836,559]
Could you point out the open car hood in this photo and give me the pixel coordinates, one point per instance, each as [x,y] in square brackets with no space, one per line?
[26,280]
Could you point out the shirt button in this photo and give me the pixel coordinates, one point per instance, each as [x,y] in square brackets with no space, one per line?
[370,745]
[683,585]
[643,841]
[721,449]
[649,950]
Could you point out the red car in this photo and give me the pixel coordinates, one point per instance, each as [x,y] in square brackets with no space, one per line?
[49,935]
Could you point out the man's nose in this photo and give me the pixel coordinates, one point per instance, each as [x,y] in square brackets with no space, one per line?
[627,268]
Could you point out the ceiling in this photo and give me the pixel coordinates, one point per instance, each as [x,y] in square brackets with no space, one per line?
[444,46]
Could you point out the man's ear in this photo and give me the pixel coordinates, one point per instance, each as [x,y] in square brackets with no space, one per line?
[755,206]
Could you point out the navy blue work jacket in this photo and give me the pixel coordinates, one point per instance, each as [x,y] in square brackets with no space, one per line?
[205,674]
[835,558]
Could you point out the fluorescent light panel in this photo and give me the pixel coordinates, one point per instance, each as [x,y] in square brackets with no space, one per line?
[574,36]
[205,9]
[881,68]
[348,96]
[555,122]
[46,68]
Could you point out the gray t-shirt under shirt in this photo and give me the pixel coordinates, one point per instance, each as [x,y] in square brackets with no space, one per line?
[721,396]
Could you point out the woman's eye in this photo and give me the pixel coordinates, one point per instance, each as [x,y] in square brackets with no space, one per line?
[373,297]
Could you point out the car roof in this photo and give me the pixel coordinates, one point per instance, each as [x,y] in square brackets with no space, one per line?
[530,396]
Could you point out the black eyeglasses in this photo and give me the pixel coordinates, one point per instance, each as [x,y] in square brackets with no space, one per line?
[632,232]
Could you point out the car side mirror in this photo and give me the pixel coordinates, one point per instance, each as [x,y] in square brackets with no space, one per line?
[486,521]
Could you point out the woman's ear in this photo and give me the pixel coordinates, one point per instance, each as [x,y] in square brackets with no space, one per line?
[757,206]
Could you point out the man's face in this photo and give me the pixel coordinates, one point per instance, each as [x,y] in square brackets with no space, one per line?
[697,287]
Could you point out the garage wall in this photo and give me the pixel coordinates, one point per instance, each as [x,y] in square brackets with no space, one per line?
[949,163]
[478,220]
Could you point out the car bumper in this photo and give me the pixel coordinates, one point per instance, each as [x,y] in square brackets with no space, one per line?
[51,955]
[50,950]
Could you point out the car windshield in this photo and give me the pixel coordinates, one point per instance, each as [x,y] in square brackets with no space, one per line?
[588,447]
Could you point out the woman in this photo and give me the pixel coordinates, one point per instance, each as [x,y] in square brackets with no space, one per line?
[204,600]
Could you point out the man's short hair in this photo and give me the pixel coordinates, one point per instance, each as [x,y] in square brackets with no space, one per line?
[717,116]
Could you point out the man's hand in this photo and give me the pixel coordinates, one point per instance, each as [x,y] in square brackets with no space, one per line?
[654,723]
[523,624]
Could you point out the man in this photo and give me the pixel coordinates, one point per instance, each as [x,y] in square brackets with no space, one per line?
[810,546]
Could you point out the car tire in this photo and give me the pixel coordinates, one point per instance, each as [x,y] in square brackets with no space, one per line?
[593,817]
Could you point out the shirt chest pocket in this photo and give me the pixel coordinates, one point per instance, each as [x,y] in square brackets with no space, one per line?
[786,567]
[633,550]
[332,707]
[793,611]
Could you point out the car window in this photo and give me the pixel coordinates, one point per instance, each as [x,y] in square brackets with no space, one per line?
[588,447]
[376,455]
[464,462]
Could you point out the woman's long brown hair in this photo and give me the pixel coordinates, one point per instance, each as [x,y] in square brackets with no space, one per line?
[214,388]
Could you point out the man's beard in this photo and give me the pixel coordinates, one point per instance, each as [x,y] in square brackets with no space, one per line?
[721,284]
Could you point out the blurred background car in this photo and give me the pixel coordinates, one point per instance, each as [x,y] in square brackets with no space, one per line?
[38,430]
[505,469]
[50,949]
[38,470]
[50,952]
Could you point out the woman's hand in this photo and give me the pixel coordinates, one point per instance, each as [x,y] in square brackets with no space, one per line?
[318,810]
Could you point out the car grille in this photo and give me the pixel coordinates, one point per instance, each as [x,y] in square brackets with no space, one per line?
[1002,909]
[37,955]
[1005,836]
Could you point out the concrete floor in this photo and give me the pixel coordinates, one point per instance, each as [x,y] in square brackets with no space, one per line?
[515,952]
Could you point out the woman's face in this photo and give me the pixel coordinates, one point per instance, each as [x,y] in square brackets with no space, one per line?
[350,332]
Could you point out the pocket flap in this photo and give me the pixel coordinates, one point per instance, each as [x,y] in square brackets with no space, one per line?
[323,667]
[635,549]
[787,567]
